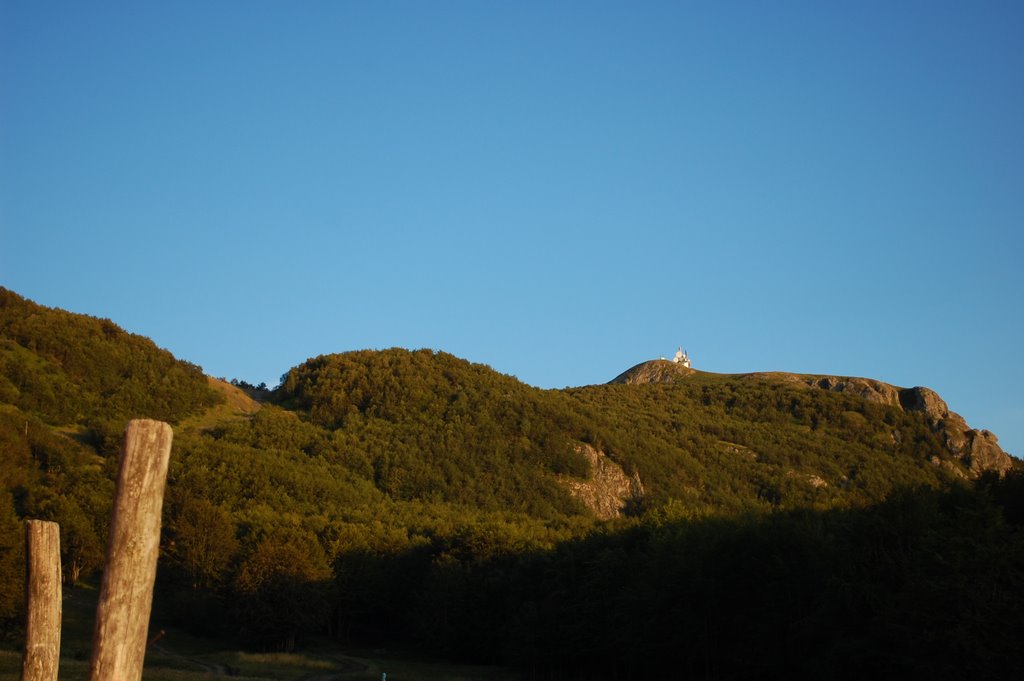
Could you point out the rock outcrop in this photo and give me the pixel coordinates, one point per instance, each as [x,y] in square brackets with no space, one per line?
[608,489]
[654,371]
[925,400]
[978,450]
[870,390]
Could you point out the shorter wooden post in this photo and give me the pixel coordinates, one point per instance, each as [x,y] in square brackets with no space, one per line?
[43,601]
[126,596]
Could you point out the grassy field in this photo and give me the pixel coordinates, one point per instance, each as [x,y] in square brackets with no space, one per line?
[274,667]
[236,406]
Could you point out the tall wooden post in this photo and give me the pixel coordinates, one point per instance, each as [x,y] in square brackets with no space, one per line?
[43,601]
[126,596]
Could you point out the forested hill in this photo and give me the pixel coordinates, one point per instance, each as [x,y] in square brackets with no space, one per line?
[68,385]
[413,497]
[430,425]
[71,368]
[425,425]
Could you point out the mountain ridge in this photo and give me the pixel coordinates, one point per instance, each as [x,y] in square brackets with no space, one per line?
[978,448]
[68,342]
[411,497]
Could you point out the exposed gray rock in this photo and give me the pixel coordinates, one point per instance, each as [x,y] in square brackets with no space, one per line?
[655,371]
[608,489]
[985,454]
[811,479]
[924,399]
[870,390]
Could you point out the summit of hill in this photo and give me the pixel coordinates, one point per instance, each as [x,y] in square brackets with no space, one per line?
[977,450]
[654,371]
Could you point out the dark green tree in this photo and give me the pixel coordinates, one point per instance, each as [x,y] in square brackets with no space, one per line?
[282,590]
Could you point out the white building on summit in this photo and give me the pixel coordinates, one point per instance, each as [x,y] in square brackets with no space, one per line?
[682,358]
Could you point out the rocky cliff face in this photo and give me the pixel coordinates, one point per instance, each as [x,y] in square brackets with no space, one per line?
[978,450]
[870,390]
[608,489]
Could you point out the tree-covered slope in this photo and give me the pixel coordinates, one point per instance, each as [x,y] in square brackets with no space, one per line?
[68,368]
[415,497]
[427,425]
[68,385]
[724,441]
[431,426]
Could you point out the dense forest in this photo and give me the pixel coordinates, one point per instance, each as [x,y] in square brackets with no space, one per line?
[413,498]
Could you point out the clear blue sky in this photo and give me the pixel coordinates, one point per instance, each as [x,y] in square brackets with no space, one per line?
[559,190]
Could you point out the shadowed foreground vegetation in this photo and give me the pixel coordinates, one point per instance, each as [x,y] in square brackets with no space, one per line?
[926,585]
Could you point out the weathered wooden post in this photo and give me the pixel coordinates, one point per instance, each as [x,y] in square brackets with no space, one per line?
[126,595]
[43,601]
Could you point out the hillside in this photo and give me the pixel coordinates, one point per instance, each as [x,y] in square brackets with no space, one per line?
[431,426]
[977,451]
[415,497]
[71,368]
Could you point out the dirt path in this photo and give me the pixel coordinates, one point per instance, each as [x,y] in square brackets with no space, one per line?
[220,669]
[345,666]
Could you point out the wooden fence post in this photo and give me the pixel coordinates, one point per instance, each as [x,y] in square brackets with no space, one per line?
[43,601]
[126,595]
